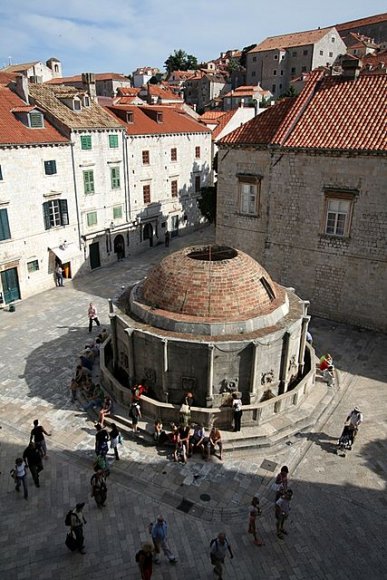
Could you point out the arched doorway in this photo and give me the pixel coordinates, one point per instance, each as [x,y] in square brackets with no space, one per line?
[148,233]
[119,247]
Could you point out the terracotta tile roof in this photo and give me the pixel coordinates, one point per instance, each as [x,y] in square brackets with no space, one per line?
[49,98]
[14,132]
[291,40]
[330,113]
[162,92]
[64,80]
[6,78]
[345,114]
[145,120]
[128,91]
[222,122]
[211,116]
[362,22]
[261,129]
[78,78]
[128,100]
[20,67]
[373,60]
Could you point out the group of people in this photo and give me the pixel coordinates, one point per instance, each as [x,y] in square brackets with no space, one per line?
[31,459]
[327,369]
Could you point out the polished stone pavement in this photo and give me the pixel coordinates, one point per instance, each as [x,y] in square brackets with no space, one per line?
[337,527]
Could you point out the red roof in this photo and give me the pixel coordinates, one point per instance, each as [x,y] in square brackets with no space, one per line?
[6,77]
[222,122]
[362,22]
[291,40]
[330,113]
[97,76]
[14,132]
[145,120]
[162,92]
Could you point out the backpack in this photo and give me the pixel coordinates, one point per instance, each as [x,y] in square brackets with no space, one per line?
[68,518]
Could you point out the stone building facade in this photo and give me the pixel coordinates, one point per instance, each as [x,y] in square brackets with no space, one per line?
[301,188]
[279,59]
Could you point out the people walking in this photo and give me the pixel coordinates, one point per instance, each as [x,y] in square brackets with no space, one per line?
[19,473]
[114,437]
[33,461]
[59,275]
[237,411]
[135,415]
[354,420]
[101,440]
[281,482]
[77,521]
[254,512]
[73,390]
[166,238]
[37,436]
[282,509]
[99,488]
[93,316]
[144,559]
[219,547]
[160,540]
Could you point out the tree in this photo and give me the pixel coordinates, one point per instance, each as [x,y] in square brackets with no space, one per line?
[207,203]
[180,60]
[233,65]
[245,50]
[291,92]
[153,80]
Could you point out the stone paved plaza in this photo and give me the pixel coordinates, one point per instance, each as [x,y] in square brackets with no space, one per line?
[337,527]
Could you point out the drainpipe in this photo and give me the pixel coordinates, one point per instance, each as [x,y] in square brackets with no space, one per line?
[165,369]
[76,196]
[253,376]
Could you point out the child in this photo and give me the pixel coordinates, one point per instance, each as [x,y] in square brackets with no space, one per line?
[254,511]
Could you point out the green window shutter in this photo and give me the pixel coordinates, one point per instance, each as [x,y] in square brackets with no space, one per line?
[88,181]
[64,214]
[113,141]
[5,233]
[46,215]
[86,142]
[115,177]
[92,218]
[117,212]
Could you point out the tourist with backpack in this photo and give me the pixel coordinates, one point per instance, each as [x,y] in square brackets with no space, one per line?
[219,547]
[75,519]
[144,560]
[99,487]
[135,415]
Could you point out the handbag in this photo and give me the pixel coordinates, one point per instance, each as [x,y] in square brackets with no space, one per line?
[71,542]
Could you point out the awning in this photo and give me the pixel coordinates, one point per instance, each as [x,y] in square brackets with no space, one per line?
[66,252]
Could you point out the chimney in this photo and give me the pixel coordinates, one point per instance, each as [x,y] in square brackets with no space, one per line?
[88,81]
[351,68]
[22,88]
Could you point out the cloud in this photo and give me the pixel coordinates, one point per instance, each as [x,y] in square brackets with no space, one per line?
[120,36]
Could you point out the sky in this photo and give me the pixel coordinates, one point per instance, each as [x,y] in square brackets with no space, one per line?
[119,36]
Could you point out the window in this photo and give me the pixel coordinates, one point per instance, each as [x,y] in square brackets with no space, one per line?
[248,196]
[1,174]
[5,233]
[293,70]
[146,190]
[36,120]
[50,167]
[253,73]
[333,39]
[276,57]
[174,154]
[321,53]
[145,158]
[273,89]
[197,152]
[282,72]
[55,213]
[254,59]
[33,266]
[76,105]
[197,183]
[92,218]
[331,54]
[86,101]
[305,52]
[268,288]
[274,72]
[338,214]
[303,69]
[294,53]
[113,141]
[174,188]
[129,117]
[115,177]
[86,142]
[117,212]
[88,181]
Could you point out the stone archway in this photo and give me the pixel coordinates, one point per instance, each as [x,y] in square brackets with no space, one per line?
[148,233]
[119,247]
